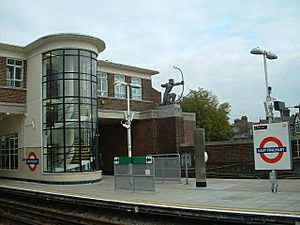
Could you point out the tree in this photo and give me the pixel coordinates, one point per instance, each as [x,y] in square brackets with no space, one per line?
[211,116]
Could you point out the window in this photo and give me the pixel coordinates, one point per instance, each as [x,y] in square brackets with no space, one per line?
[70,111]
[136,92]
[102,84]
[120,91]
[14,73]
[297,126]
[9,152]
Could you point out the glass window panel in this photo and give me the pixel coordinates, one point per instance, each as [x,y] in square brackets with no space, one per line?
[46,67]
[72,99]
[57,64]
[57,76]
[85,76]
[72,125]
[94,89]
[57,138]
[85,100]
[71,75]
[10,61]
[57,53]
[120,91]
[85,88]
[18,84]
[71,87]
[85,64]
[18,73]
[10,83]
[86,124]
[71,63]
[19,63]
[85,112]
[72,135]
[71,112]
[86,137]
[10,72]
[57,88]
[94,55]
[85,53]
[71,52]
[94,67]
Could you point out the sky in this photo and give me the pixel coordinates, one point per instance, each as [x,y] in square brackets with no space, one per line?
[210,41]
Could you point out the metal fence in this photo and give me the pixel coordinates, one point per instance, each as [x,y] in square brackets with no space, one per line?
[167,167]
[134,176]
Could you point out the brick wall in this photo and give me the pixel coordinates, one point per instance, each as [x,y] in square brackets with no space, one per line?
[156,96]
[9,94]
[121,104]
[151,136]
[189,127]
[112,103]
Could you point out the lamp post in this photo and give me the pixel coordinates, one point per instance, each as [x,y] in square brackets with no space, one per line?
[128,114]
[268,104]
[271,56]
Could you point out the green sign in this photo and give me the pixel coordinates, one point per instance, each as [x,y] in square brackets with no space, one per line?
[133,160]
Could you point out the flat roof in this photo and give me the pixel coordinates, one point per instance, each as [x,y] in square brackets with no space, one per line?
[56,37]
[126,67]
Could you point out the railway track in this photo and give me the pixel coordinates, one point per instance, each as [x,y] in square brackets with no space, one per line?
[18,213]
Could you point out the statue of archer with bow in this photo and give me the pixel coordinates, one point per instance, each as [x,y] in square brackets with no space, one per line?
[169,98]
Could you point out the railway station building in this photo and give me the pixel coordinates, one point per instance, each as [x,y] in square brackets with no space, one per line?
[60,111]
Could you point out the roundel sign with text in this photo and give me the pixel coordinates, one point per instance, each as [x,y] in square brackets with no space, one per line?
[272,146]
[32,161]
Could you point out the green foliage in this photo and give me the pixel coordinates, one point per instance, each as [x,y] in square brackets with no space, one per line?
[211,116]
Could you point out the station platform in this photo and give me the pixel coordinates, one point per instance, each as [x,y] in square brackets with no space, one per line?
[243,198]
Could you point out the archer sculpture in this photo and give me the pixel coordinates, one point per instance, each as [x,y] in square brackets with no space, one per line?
[169,98]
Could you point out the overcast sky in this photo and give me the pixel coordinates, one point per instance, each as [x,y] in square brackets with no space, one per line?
[208,40]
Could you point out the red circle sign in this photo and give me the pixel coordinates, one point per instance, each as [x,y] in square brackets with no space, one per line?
[278,143]
[32,166]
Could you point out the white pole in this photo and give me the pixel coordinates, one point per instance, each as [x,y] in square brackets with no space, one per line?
[272,175]
[129,122]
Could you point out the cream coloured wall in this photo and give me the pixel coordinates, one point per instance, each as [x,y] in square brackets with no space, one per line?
[29,124]
[13,124]
[33,121]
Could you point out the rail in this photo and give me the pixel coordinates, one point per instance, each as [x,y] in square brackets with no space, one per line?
[18,213]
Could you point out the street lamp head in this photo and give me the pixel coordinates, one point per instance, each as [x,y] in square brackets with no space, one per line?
[257,51]
[271,55]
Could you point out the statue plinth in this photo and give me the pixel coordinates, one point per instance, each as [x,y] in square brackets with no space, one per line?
[168,106]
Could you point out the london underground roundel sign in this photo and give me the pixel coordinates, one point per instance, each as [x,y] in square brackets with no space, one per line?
[272,146]
[32,161]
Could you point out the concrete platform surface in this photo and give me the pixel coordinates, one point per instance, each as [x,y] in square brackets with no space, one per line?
[243,196]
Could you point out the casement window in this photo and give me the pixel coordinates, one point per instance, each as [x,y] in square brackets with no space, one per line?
[120,91]
[102,84]
[14,73]
[9,152]
[136,91]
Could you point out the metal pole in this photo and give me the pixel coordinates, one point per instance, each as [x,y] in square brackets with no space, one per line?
[266,77]
[128,123]
[186,169]
[269,112]
[298,150]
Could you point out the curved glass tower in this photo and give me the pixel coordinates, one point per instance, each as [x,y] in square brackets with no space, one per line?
[70,110]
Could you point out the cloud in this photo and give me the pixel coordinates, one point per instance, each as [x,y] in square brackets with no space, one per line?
[209,40]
